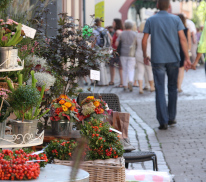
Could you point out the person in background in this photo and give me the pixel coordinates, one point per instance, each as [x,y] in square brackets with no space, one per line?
[201,48]
[128,62]
[193,31]
[141,67]
[166,31]
[182,56]
[98,42]
[115,61]
[111,30]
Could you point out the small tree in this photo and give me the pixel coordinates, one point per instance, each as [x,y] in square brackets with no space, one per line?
[71,54]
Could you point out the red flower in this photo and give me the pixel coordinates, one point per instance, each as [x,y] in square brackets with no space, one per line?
[66,116]
[57,118]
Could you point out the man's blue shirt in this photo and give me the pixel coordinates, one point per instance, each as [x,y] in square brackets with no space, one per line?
[164,28]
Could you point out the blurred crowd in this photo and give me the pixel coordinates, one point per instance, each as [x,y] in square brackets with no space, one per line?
[126,41]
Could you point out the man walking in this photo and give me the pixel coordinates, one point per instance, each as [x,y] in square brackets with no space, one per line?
[166,32]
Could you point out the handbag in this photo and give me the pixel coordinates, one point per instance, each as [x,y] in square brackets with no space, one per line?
[133,48]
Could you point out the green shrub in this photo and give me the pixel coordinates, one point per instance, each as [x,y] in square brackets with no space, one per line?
[23,99]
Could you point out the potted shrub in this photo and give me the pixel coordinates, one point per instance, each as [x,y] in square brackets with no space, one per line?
[11,33]
[25,101]
[4,110]
[64,113]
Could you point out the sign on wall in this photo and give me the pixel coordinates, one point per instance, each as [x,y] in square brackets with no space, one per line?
[99,10]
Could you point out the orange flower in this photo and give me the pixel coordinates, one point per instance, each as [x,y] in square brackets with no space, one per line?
[64,108]
[62,102]
[72,108]
[101,111]
[96,103]
[63,96]
[68,104]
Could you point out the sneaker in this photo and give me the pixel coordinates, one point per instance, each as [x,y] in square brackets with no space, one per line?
[130,87]
[172,122]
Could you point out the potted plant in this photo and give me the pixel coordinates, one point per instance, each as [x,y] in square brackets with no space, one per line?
[4,110]
[25,101]
[11,33]
[63,114]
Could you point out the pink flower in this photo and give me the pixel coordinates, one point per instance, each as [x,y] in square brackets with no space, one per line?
[4,38]
[9,22]
[12,33]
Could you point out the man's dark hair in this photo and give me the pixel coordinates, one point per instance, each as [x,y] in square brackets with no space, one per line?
[97,22]
[119,25]
[163,4]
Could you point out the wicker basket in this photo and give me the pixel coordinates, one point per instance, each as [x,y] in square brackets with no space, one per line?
[5,85]
[109,170]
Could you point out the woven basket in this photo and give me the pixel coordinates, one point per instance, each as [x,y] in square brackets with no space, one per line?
[109,170]
[5,85]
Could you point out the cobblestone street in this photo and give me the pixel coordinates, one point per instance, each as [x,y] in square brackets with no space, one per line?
[180,149]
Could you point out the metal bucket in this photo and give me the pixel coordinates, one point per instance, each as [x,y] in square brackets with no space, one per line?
[34,127]
[5,57]
[22,131]
[14,57]
[2,129]
[61,128]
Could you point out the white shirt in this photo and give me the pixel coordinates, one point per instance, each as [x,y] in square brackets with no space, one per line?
[191,26]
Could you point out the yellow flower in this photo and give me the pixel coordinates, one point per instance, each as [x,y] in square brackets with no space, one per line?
[64,108]
[68,104]
[62,102]
[90,97]
[96,103]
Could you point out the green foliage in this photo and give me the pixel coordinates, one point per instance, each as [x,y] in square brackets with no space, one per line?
[70,55]
[4,4]
[60,149]
[102,143]
[23,99]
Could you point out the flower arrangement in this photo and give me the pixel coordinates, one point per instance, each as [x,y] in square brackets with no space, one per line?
[14,165]
[95,108]
[11,33]
[102,142]
[4,111]
[43,78]
[63,108]
[60,149]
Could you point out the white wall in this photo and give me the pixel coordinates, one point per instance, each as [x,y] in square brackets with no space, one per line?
[89,6]
[175,7]
[112,8]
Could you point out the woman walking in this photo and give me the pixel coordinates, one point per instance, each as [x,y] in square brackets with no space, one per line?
[115,61]
[182,56]
[141,67]
[127,38]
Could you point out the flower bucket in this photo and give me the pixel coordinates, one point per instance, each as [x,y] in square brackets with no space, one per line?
[5,57]
[34,127]
[61,128]
[22,131]
[14,57]
[2,129]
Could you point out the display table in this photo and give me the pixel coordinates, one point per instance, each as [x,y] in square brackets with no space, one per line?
[60,173]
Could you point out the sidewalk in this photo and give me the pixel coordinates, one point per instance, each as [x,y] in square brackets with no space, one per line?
[180,149]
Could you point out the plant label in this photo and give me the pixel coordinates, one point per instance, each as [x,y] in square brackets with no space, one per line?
[95,75]
[29,32]
[115,130]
